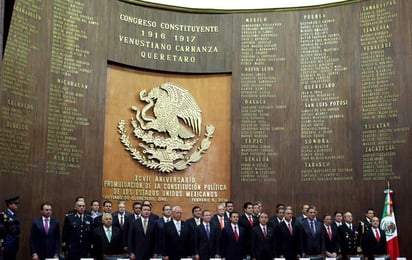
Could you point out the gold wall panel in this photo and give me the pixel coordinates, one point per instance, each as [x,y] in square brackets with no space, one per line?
[205,182]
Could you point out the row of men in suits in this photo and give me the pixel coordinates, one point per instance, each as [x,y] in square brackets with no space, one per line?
[306,236]
[331,239]
[143,234]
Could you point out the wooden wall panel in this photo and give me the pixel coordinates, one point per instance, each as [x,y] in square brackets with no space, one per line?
[52,92]
[336,127]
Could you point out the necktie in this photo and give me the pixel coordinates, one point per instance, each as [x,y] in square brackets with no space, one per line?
[197,221]
[290,229]
[236,234]
[312,227]
[329,233]
[264,232]
[178,227]
[251,221]
[207,231]
[222,225]
[145,226]
[350,226]
[378,236]
[121,221]
[46,225]
[108,235]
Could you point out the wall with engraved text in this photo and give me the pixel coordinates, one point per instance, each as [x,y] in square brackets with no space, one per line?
[308,105]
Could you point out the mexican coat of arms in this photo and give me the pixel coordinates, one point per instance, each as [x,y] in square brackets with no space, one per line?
[167,129]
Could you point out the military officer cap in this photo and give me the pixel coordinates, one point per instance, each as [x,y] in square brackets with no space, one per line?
[14,200]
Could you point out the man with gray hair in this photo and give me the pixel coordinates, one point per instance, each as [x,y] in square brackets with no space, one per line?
[77,230]
[178,237]
[107,240]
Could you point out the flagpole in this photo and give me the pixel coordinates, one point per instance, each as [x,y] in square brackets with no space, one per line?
[388,224]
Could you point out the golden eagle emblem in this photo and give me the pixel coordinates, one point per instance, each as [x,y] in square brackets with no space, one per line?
[167,128]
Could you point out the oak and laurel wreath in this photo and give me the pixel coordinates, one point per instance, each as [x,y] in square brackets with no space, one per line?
[148,137]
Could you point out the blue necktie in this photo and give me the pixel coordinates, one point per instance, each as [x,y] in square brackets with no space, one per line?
[312,227]
[207,231]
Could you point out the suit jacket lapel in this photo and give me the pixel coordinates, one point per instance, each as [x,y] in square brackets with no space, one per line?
[268,232]
[150,226]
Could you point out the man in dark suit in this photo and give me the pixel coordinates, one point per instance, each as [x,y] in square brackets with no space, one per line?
[303,210]
[166,217]
[263,242]
[142,236]
[257,209]
[331,238]
[196,218]
[220,218]
[248,221]
[178,241]
[119,217]
[107,240]
[107,208]
[348,237]
[234,239]
[280,213]
[374,241]
[312,240]
[45,235]
[229,207]
[152,216]
[11,229]
[95,209]
[287,237]
[137,210]
[77,233]
[338,216]
[207,238]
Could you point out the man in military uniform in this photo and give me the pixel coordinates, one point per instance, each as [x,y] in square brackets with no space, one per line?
[2,235]
[11,230]
[365,224]
[348,237]
[77,231]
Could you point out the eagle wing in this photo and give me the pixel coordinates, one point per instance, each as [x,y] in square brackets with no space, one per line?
[186,107]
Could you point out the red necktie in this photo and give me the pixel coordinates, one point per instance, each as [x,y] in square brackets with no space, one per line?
[222,225]
[378,237]
[251,221]
[329,233]
[264,232]
[290,229]
[236,234]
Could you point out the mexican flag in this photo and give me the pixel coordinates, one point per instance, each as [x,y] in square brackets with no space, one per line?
[388,224]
